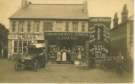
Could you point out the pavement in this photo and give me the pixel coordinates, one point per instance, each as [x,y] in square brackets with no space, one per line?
[59,73]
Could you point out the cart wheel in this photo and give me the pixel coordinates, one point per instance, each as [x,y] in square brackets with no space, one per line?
[18,67]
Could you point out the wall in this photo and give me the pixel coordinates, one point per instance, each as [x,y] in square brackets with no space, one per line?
[58,26]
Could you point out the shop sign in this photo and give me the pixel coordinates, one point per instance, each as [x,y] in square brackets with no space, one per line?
[66,35]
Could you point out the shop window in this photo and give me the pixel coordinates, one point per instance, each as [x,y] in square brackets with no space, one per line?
[25,48]
[15,46]
[21,46]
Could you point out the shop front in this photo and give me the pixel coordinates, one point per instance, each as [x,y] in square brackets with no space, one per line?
[66,47]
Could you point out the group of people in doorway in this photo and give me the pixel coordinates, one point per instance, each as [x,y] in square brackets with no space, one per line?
[67,55]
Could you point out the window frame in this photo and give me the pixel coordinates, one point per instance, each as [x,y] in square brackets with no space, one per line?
[13,26]
[48,26]
[21,26]
[67,26]
[29,26]
[83,26]
[37,26]
[75,26]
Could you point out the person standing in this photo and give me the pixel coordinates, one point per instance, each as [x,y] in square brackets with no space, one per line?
[79,55]
[119,64]
[58,56]
[53,55]
[72,55]
[64,55]
[69,55]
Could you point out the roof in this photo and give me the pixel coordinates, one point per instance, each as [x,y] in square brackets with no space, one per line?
[61,11]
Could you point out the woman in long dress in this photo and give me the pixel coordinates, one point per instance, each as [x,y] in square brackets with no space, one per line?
[79,54]
[64,56]
[58,56]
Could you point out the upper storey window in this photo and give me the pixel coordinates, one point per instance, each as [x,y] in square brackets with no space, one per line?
[59,26]
[67,26]
[29,26]
[83,26]
[21,26]
[75,26]
[37,26]
[13,26]
[48,26]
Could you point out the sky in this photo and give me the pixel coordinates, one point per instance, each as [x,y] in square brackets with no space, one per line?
[96,8]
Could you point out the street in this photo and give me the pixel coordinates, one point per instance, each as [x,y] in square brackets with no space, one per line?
[61,73]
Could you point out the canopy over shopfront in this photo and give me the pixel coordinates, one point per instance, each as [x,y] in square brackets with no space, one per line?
[67,39]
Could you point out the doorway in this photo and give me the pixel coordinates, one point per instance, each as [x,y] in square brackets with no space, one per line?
[63,51]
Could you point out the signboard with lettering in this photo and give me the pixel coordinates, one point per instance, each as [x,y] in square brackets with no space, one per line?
[66,35]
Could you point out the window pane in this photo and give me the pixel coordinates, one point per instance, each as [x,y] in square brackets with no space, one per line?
[48,26]
[75,26]
[15,46]
[83,26]
[37,26]
[29,26]
[67,26]
[21,26]
[13,26]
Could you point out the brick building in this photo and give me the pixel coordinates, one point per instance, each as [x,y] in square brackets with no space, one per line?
[63,25]
[30,22]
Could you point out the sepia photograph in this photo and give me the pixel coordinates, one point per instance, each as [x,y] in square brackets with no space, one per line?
[66,41]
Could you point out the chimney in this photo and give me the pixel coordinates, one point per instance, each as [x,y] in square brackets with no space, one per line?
[124,14]
[85,7]
[25,3]
[115,20]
